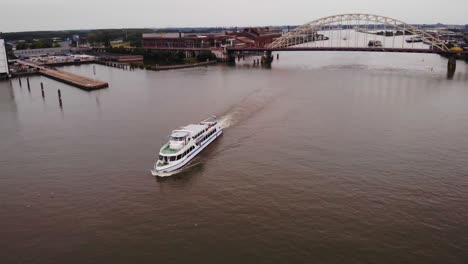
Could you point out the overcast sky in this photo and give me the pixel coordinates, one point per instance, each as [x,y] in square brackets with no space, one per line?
[27,15]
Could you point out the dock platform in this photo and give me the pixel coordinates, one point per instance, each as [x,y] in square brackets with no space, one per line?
[76,80]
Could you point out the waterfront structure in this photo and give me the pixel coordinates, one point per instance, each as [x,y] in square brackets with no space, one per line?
[73,79]
[4,72]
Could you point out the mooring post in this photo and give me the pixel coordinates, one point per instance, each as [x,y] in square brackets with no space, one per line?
[27,80]
[60,98]
[19,80]
[42,90]
[267,58]
[277,56]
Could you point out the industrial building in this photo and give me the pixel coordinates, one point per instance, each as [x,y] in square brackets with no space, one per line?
[260,36]
[4,72]
[184,40]
[63,49]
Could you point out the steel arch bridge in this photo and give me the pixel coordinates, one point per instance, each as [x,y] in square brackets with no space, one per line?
[356,32]
[363,25]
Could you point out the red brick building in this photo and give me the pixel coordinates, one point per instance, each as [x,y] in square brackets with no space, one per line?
[257,37]
[184,40]
[260,36]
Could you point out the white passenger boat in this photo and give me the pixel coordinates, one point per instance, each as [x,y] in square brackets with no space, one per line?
[184,144]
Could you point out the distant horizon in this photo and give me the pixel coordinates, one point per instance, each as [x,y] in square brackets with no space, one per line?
[199,27]
[52,15]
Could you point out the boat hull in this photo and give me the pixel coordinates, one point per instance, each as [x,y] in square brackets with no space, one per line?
[174,168]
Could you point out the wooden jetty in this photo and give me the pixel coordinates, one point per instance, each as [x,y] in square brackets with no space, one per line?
[76,80]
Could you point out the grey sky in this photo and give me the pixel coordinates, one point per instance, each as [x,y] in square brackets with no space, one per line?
[26,15]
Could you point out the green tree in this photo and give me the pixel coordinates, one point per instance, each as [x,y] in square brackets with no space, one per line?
[135,39]
[205,56]
[22,46]
[92,38]
[41,44]
[106,40]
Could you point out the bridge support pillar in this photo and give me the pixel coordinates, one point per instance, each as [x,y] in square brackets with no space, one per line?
[451,67]
[267,58]
[231,57]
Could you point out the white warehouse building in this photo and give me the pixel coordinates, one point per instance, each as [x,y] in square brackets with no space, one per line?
[3,60]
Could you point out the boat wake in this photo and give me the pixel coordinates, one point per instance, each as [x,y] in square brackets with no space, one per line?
[248,106]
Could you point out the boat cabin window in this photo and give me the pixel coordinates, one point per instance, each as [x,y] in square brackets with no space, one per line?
[178,138]
[173,158]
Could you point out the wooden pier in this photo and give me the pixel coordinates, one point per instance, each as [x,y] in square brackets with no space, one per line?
[76,80]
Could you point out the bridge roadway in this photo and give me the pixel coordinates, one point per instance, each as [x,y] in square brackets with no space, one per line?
[67,77]
[365,49]
[356,49]
[181,48]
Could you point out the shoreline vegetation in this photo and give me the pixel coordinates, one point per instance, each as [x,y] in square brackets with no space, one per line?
[158,58]
[181,66]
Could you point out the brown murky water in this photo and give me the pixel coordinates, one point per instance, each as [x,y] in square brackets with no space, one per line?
[326,158]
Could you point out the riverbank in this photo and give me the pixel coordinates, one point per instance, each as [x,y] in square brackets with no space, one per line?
[180,66]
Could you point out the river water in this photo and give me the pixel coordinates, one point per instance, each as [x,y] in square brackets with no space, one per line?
[326,158]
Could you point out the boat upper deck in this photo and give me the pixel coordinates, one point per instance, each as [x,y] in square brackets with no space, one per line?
[180,138]
[194,129]
[167,150]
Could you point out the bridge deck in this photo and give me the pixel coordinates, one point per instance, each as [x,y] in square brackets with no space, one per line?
[363,49]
